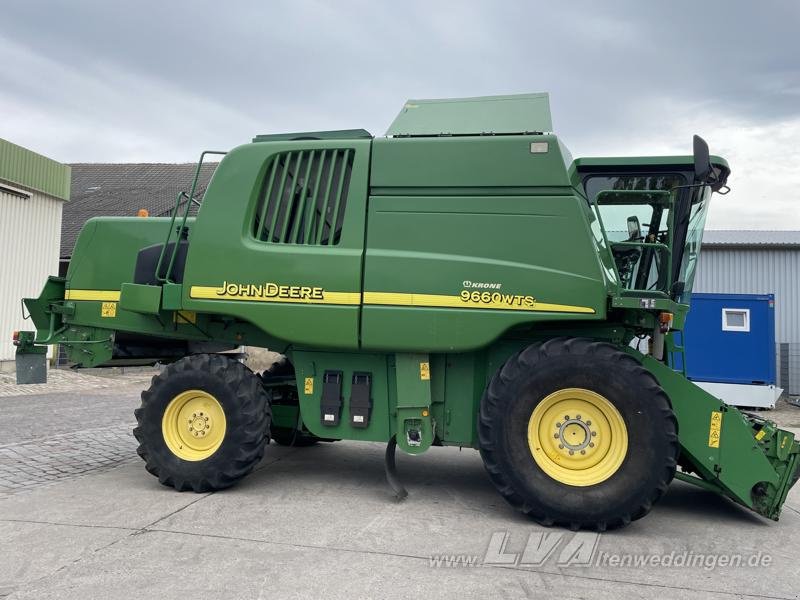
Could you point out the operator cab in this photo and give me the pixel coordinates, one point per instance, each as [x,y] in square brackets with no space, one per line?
[648,216]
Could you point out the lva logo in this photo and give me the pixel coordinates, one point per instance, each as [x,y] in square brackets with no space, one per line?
[563,548]
[567,549]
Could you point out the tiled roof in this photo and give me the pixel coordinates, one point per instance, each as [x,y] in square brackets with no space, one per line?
[120,190]
[751,238]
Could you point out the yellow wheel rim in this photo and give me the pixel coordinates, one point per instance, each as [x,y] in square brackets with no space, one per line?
[193,425]
[577,437]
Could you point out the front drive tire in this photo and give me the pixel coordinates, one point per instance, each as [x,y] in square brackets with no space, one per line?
[576,432]
[203,423]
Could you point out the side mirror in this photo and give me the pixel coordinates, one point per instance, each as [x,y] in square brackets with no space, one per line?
[702,161]
[634,228]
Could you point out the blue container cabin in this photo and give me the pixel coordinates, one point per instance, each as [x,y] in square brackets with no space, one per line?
[729,342]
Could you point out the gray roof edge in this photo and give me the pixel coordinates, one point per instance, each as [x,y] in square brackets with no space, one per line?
[752,238]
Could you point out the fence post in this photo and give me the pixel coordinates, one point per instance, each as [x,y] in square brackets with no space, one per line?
[783,376]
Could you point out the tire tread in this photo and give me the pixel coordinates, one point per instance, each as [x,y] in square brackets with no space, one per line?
[252,403]
[490,422]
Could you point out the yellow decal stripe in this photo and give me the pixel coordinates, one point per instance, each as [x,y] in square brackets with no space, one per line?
[213,293]
[439,301]
[96,295]
[354,298]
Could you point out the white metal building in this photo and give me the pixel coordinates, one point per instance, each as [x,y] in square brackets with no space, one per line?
[33,189]
[759,262]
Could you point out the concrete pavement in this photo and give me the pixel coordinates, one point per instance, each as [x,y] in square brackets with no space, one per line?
[320,522]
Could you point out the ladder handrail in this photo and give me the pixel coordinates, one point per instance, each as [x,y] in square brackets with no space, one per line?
[191,200]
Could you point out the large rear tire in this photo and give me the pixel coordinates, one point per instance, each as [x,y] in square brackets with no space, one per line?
[202,424]
[576,432]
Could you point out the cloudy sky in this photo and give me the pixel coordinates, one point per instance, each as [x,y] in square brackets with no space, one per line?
[99,81]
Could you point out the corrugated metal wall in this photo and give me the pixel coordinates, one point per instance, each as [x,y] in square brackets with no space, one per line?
[761,271]
[753,271]
[30,238]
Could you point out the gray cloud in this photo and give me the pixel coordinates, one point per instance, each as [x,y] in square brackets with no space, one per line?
[106,81]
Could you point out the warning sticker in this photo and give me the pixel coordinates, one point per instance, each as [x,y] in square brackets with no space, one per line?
[108,309]
[715,429]
[308,388]
[424,371]
[185,316]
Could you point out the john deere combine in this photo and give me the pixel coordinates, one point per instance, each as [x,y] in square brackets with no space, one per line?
[460,282]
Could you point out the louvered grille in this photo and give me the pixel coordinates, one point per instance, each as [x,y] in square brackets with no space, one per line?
[304,197]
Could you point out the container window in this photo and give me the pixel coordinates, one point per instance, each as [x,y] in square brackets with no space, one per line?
[735,319]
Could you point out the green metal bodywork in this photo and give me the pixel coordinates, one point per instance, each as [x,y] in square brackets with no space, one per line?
[474,116]
[455,251]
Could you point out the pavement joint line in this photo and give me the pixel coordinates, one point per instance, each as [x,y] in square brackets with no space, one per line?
[131,532]
[264,464]
[56,524]
[427,559]
[78,559]
[174,512]
[74,562]
[286,544]
[134,531]
[193,502]
[202,497]
[792,508]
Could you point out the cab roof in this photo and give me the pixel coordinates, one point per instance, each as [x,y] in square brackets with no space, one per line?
[618,162]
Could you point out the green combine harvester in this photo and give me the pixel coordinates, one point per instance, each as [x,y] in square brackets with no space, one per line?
[461,281]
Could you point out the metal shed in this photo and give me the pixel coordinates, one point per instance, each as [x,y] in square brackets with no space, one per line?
[760,262]
[33,189]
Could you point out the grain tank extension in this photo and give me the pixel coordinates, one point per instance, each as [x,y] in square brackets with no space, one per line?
[462,281]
